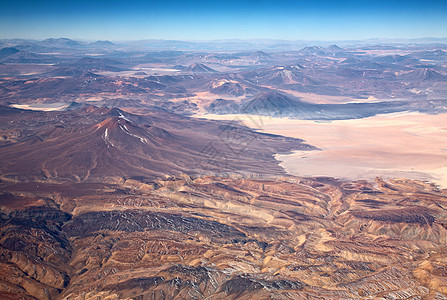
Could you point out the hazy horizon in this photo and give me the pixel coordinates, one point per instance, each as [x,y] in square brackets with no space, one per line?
[201,20]
[421,39]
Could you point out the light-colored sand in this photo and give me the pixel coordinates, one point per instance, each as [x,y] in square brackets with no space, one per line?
[404,145]
[41,106]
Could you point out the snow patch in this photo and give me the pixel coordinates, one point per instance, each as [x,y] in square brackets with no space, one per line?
[123,117]
[105,137]
[126,130]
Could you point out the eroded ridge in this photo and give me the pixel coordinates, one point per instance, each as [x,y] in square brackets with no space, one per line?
[225,237]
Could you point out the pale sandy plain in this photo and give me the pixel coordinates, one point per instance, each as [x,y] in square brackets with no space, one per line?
[403,145]
[41,106]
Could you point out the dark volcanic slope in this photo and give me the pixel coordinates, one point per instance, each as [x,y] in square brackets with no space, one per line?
[199,68]
[272,103]
[424,74]
[5,52]
[92,143]
[279,105]
[98,64]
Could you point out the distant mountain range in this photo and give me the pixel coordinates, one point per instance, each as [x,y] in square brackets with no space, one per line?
[233,44]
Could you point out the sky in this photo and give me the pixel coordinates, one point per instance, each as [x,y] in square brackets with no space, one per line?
[224,19]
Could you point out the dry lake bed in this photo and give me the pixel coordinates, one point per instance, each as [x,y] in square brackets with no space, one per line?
[403,145]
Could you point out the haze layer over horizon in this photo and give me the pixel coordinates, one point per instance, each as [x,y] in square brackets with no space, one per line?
[211,20]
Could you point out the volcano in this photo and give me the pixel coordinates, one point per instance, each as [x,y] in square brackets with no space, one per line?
[88,143]
[199,68]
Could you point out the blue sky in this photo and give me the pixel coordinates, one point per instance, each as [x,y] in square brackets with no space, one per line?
[231,19]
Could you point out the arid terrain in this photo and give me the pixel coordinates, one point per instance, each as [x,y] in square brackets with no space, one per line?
[204,171]
[224,238]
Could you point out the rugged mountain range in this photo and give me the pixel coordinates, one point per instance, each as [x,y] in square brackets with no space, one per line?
[122,195]
[223,237]
[353,73]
